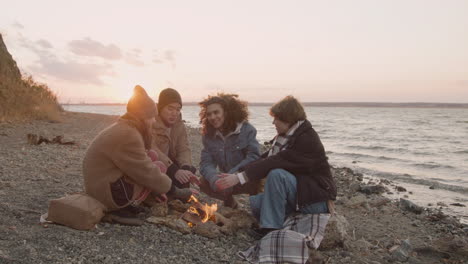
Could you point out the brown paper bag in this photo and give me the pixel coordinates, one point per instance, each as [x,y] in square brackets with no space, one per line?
[78,211]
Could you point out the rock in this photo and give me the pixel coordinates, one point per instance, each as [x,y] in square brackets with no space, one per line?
[178,205]
[315,257]
[172,222]
[226,225]
[410,206]
[179,225]
[400,189]
[402,252]
[458,204]
[453,244]
[379,201]
[356,201]
[335,232]
[354,187]
[362,245]
[372,189]
[159,209]
[208,229]
[441,204]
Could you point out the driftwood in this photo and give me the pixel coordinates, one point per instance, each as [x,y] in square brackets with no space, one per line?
[34,139]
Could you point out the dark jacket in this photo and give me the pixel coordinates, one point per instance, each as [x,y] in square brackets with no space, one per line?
[304,156]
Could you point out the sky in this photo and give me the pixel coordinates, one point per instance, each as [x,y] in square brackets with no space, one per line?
[319,51]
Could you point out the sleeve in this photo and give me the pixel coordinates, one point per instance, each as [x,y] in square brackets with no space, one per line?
[208,165]
[252,151]
[301,158]
[183,152]
[130,157]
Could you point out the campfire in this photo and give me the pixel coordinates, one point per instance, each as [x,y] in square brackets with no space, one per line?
[199,213]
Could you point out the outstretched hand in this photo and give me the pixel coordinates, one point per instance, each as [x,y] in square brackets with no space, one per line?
[226,181]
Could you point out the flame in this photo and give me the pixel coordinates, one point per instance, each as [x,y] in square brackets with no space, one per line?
[192,199]
[209,210]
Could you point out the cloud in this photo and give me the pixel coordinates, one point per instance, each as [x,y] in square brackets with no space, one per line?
[86,73]
[167,56]
[44,43]
[50,65]
[157,61]
[134,61]
[17,25]
[91,48]
[133,57]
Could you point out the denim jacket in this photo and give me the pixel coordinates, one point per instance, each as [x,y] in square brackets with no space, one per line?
[228,154]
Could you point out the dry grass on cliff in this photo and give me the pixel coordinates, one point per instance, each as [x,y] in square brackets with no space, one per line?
[27,99]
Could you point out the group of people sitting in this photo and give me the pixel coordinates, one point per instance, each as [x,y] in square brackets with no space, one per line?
[145,157]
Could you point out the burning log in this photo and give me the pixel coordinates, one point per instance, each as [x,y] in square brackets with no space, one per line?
[199,213]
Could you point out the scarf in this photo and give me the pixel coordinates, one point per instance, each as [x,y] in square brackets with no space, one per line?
[280,142]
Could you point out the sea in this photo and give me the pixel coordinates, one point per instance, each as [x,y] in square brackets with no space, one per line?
[424,150]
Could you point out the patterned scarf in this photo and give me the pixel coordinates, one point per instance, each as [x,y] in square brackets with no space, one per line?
[280,142]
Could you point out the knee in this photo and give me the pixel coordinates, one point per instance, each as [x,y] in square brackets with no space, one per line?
[277,175]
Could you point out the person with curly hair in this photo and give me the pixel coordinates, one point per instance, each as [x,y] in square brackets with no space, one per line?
[298,176]
[229,144]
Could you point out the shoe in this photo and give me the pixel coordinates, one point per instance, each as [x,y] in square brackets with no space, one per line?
[124,216]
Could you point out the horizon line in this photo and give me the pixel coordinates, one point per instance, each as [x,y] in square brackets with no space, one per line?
[332,104]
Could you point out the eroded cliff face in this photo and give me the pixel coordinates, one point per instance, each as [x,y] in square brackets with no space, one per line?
[23,98]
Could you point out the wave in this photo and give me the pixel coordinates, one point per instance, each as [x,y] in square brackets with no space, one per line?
[461,152]
[433,166]
[407,178]
[390,149]
[367,156]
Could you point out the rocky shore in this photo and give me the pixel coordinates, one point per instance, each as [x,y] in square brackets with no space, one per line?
[368,227]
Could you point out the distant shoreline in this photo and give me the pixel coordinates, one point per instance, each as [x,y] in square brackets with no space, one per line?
[339,104]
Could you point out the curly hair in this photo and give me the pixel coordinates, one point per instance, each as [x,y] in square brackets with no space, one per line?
[288,110]
[235,111]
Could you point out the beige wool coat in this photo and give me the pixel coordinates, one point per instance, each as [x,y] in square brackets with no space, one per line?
[118,151]
[171,143]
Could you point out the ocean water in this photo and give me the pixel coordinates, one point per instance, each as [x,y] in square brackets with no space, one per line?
[415,147]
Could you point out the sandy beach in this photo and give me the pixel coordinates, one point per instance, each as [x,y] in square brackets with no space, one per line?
[374,227]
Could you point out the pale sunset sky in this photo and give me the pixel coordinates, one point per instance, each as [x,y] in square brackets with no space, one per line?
[318,51]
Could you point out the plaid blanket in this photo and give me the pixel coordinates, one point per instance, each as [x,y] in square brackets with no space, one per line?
[290,244]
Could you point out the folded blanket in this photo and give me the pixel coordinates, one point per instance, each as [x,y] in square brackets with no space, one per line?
[290,244]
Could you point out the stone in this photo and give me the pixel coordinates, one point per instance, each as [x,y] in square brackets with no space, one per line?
[441,204]
[400,189]
[178,205]
[410,206]
[356,201]
[208,229]
[379,201]
[373,189]
[362,245]
[159,209]
[454,244]
[315,257]
[335,233]
[401,252]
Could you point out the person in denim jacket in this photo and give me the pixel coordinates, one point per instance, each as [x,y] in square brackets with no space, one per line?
[229,143]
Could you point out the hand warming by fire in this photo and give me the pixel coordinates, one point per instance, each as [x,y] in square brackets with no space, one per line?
[226,180]
[198,213]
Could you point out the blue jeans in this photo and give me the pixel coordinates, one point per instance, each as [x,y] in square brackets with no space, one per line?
[279,200]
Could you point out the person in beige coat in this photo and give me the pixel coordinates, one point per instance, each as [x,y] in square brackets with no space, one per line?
[170,140]
[116,168]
